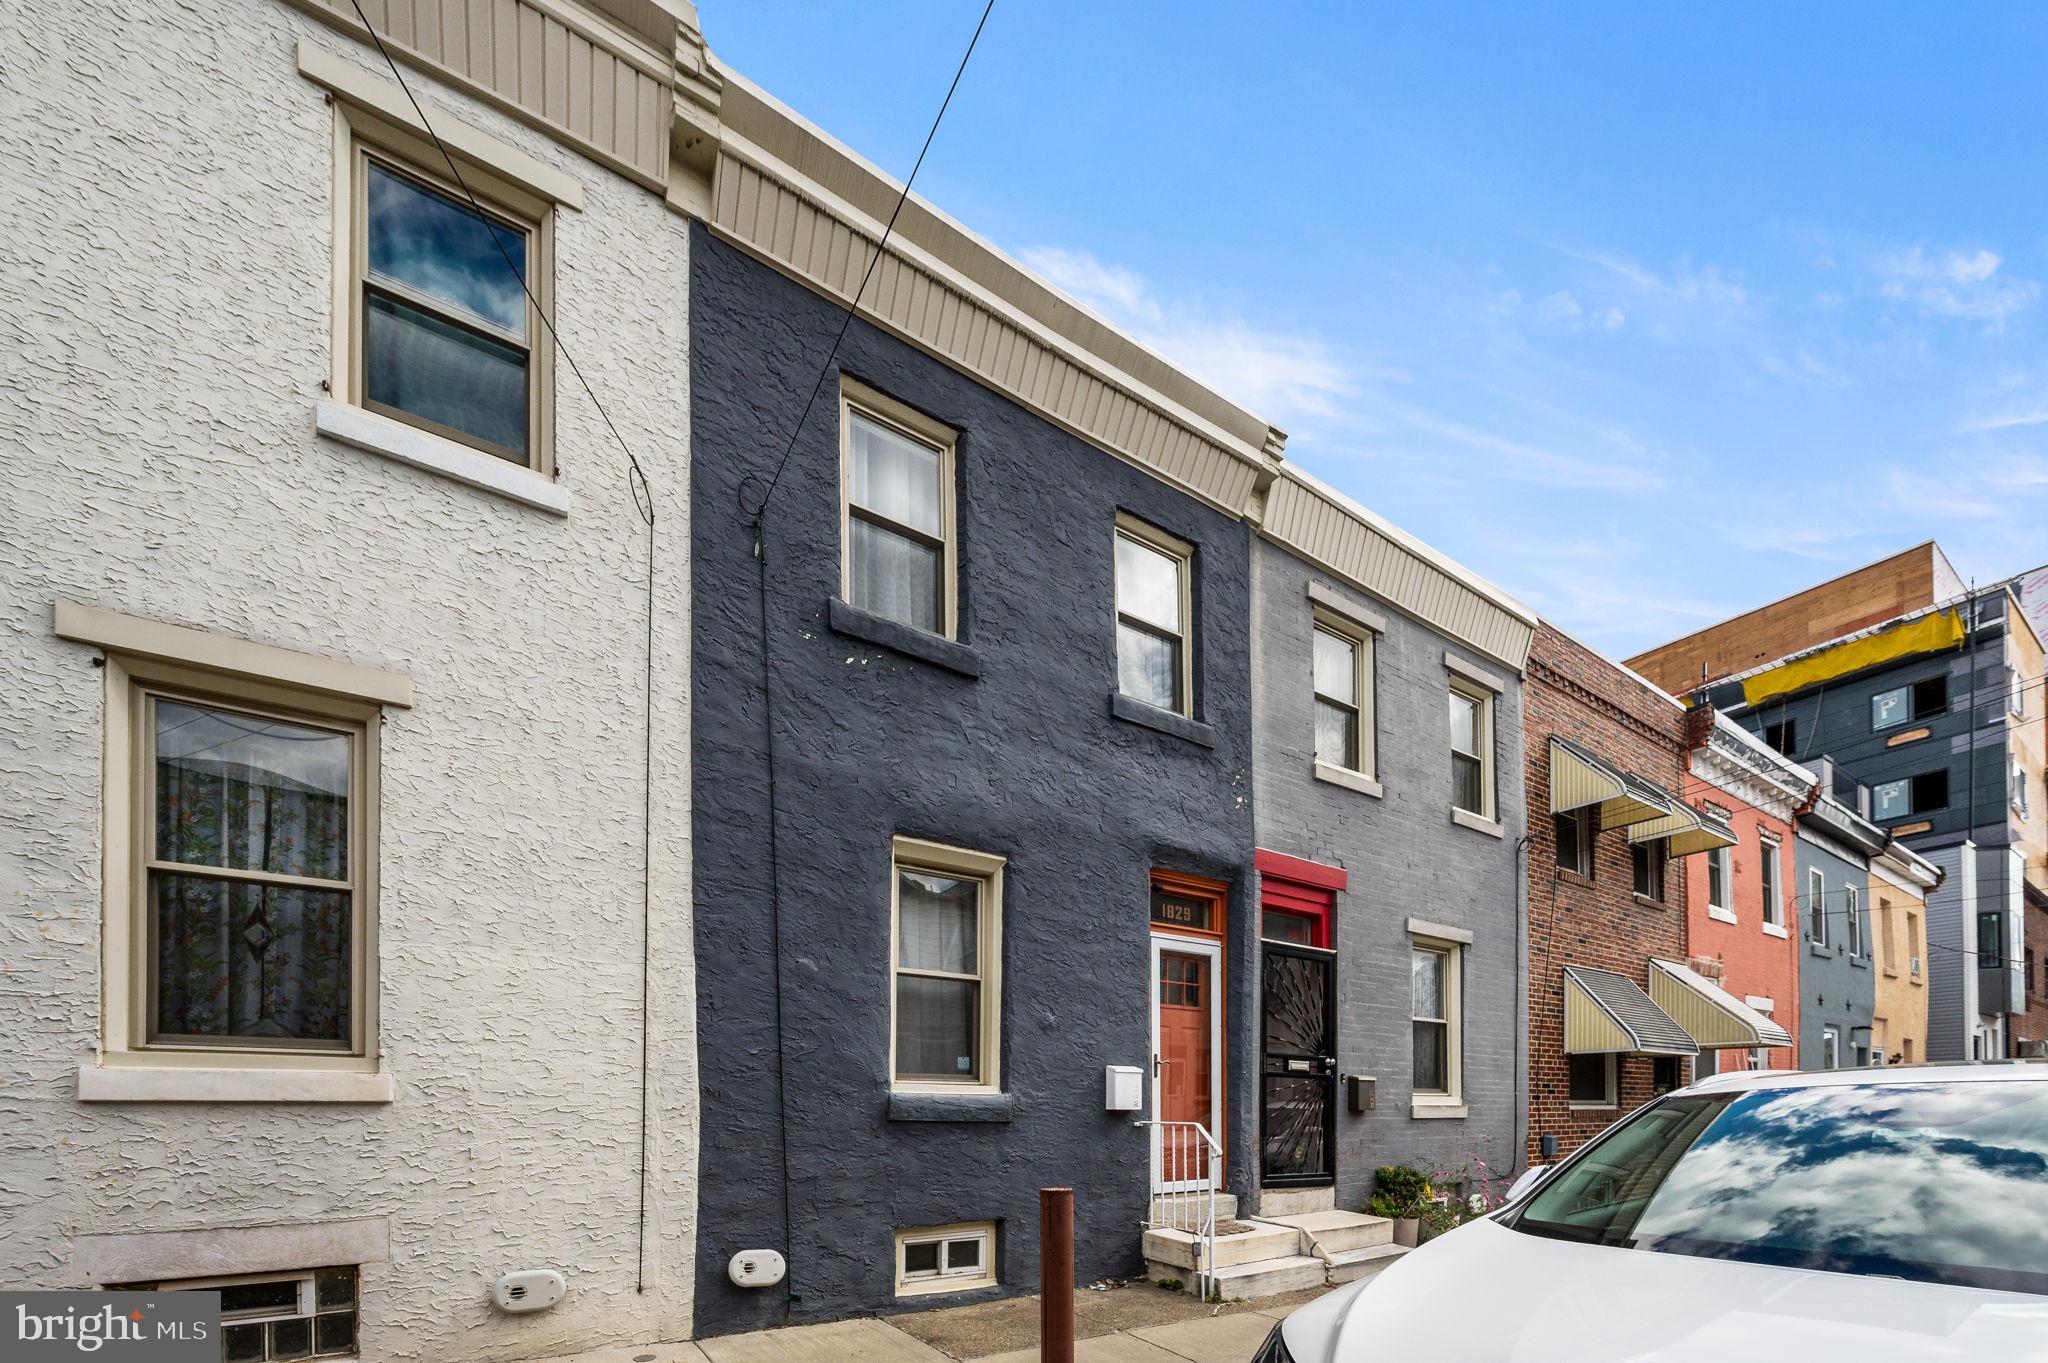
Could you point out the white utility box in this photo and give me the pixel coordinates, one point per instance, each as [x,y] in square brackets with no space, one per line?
[756,1268]
[530,1289]
[1123,1088]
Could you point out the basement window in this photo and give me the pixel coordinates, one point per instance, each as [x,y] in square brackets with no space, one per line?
[1590,1080]
[308,1313]
[945,1259]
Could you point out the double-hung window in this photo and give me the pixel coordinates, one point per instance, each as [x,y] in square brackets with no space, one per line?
[1720,887]
[1852,919]
[1774,895]
[1575,838]
[444,300]
[1154,614]
[1647,860]
[1343,695]
[1434,987]
[251,867]
[1817,906]
[897,532]
[946,967]
[1471,749]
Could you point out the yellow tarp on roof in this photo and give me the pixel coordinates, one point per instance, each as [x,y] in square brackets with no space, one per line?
[1928,634]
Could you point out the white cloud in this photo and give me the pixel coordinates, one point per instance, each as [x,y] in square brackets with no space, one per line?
[1614,319]
[1686,282]
[1630,467]
[1559,307]
[1279,375]
[1803,366]
[1955,284]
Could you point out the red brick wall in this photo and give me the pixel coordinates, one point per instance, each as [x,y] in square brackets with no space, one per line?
[2033,1024]
[1750,960]
[1574,693]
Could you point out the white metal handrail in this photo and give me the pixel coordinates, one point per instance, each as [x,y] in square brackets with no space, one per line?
[1188,1162]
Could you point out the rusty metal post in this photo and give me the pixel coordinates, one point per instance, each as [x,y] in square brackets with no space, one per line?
[1056,1275]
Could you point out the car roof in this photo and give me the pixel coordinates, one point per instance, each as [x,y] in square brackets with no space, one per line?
[1963,1071]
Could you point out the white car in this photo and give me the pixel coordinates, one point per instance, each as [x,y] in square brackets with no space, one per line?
[1852,1216]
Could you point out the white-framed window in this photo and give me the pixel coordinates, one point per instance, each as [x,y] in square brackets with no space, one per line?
[1830,1048]
[1817,906]
[1648,860]
[1471,719]
[2015,692]
[307,1313]
[2016,783]
[1435,990]
[933,1259]
[442,321]
[1852,920]
[1759,1059]
[1591,1081]
[1575,830]
[1154,616]
[1721,883]
[946,968]
[1343,682]
[1768,871]
[896,532]
[1913,944]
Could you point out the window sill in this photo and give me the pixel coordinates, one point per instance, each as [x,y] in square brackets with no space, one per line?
[179,1084]
[1860,962]
[907,1106]
[1776,931]
[1572,877]
[856,623]
[1821,950]
[1720,915]
[424,450]
[1165,721]
[1349,779]
[1650,902]
[1891,974]
[1465,818]
[1422,1110]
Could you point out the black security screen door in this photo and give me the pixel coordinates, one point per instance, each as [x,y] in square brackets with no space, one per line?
[1297,1067]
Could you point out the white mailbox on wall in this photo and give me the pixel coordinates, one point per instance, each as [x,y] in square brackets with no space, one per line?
[1123,1088]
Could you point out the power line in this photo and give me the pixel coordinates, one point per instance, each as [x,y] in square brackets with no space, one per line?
[643,503]
[853,304]
[759,517]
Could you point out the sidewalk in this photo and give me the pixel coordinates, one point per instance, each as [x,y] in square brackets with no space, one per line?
[1134,1324]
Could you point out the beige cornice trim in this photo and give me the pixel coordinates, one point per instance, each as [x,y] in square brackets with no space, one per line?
[135,636]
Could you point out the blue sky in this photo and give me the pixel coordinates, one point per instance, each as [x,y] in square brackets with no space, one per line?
[1648,314]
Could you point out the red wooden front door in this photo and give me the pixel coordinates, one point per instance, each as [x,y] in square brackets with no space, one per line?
[1186,996]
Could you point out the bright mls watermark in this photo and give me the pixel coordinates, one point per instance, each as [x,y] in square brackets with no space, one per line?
[110,1327]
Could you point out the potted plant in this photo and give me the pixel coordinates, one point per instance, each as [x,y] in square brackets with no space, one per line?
[1400,1194]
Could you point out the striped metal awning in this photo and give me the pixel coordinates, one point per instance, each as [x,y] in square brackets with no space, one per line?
[1579,779]
[1714,1018]
[1606,1013]
[1686,830]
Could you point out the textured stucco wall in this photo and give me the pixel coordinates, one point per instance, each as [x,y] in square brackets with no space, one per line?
[1836,989]
[164,324]
[1406,859]
[1026,761]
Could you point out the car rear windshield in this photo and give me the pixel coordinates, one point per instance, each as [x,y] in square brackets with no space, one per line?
[1939,1182]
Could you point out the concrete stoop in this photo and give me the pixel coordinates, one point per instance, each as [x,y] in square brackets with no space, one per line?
[1275,1254]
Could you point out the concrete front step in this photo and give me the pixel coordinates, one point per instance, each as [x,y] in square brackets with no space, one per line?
[1348,1266]
[1328,1234]
[1268,1277]
[1261,1242]
[1165,1205]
